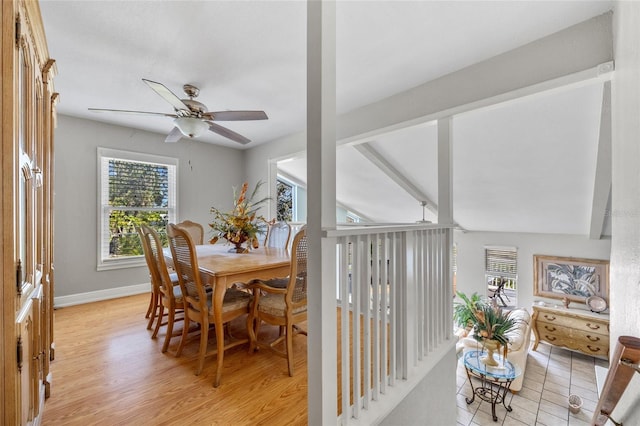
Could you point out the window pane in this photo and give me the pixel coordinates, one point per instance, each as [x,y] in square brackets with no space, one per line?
[134,184]
[124,239]
[285,201]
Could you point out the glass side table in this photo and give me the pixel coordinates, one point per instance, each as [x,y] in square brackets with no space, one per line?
[494,381]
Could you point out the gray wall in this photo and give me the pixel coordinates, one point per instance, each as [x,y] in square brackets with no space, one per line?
[206,175]
[470,245]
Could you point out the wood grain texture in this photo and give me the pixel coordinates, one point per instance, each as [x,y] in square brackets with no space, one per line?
[117,375]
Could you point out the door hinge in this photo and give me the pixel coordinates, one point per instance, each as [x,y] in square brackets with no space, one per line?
[18,30]
[19,277]
[19,354]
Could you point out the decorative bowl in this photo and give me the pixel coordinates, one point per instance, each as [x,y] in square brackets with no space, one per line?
[596,304]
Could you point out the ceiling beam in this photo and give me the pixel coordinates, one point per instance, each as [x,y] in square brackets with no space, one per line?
[602,184]
[394,174]
[575,56]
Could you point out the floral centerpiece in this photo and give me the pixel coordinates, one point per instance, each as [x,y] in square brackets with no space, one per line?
[242,224]
[490,326]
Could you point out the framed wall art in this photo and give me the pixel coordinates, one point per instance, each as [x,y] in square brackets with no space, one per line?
[570,277]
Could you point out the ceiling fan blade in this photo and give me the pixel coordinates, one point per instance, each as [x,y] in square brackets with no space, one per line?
[174,135]
[235,115]
[167,95]
[131,112]
[227,133]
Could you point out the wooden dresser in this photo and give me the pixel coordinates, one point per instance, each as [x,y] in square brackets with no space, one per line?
[575,329]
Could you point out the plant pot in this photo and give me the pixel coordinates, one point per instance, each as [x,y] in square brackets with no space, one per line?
[490,347]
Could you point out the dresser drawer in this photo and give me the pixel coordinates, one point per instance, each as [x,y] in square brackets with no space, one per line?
[577,340]
[585,324]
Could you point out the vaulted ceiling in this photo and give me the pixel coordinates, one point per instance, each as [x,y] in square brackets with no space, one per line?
[527,165]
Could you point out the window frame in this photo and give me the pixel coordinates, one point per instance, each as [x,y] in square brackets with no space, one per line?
[513,277]
[103,156]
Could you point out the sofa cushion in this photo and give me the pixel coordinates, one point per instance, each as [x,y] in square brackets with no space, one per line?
[519,333]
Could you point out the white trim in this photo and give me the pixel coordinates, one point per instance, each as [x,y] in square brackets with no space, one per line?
[99,295]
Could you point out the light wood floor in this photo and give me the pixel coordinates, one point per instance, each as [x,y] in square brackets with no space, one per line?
[108,371]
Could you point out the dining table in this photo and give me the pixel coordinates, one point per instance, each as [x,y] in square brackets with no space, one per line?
[221,267]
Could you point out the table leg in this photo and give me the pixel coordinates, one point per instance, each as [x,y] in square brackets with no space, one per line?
[473,392]
[218,298]
[504,397]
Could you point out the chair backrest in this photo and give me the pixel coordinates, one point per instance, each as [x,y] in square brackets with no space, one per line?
[295,227]
[185,263]
[278,234]
[152,244]
[297,287]
[154,274]
[195,230]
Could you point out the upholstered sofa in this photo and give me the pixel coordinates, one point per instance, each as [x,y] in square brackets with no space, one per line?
[519,342]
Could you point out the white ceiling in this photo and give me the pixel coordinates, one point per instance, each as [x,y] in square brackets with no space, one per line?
[252,55]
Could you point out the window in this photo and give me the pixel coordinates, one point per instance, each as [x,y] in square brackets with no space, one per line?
[352,217]
[134,188]
[286,200]
[501,273]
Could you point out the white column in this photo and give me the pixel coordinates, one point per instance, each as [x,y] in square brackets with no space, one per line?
[321,211]
[445,171]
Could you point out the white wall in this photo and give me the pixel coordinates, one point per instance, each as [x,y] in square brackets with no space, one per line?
[625,247]
[424,405]
[206,174]
[470,261]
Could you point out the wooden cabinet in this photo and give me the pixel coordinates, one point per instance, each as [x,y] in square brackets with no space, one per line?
[575,329]
[26,193]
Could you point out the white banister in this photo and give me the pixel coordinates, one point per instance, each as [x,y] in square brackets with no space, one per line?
[394,291]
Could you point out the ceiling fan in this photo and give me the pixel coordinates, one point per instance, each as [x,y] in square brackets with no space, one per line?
[191,117]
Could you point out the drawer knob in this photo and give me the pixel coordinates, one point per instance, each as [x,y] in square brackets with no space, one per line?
[593,339]
[550,328]
[550,338]
[550,317]
[593,326]
[593,349]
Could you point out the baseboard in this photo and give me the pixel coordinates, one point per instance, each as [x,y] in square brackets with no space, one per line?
[96,296]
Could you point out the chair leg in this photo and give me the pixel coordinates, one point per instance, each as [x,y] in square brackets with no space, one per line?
[167,337]
[185,334]
[290,348]
[204,337]
[151,305]
[252,332]
[159,323]
[155,297]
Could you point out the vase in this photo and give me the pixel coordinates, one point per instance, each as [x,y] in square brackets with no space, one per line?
[490,347]
[238,248]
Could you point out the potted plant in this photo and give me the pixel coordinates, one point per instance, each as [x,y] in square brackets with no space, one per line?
[242,224]
[490,324]
[463,311]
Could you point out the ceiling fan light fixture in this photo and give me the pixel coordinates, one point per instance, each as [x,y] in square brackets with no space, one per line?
[191,127]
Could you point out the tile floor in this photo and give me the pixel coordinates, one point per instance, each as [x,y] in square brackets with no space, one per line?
[551,375]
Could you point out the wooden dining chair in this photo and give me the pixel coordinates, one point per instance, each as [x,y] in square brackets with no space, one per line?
[155,301]
[169,291]
[278,234]
[195,230]
[199,302]
[282,306]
